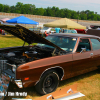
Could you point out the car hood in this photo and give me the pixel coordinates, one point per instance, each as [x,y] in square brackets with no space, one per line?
[27,35]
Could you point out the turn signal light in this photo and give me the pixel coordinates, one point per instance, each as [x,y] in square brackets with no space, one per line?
[27,78]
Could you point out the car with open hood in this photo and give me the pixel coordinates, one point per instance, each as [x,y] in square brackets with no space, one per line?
[54,58]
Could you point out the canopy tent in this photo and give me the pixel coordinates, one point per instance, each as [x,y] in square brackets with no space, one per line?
[4,20]
[65,23]
[22,20]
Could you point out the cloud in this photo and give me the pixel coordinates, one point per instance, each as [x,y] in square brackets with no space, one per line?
[80,1]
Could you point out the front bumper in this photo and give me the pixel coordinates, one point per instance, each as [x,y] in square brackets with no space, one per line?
[19,83]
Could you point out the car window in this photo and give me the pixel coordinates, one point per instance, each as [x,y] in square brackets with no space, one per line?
[65,43]
[70,31]
[83,43]
[95,44]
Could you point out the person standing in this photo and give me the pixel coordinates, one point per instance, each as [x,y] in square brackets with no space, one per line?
[46,34]
[57,30]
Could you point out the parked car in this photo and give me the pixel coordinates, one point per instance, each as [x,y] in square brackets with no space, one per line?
[81,31]
[55,58]
[47,29]
[36,30]
[94,26]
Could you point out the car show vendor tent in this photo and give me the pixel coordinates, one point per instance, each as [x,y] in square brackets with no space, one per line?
[65,23]
[4,20]
[22,20]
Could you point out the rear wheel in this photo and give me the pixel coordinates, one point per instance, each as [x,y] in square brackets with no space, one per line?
[48,82]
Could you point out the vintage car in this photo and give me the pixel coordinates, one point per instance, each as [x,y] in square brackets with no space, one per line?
[57,57]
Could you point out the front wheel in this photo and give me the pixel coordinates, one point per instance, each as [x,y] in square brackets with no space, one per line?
[48,82]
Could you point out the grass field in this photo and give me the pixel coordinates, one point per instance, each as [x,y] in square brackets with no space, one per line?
[9,41]
[88,84]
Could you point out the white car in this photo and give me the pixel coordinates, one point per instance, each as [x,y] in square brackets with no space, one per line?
[47,29]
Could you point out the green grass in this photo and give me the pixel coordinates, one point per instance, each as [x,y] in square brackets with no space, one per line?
[10,41]
[88,84]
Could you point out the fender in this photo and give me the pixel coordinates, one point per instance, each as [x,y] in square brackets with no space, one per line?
[49,69]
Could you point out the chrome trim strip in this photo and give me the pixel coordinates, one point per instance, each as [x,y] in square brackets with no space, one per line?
[9,64]
[49,69]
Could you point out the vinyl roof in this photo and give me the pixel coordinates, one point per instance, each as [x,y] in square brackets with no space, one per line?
[74,35]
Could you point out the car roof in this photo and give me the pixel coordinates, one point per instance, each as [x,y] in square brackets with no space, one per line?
[74,35]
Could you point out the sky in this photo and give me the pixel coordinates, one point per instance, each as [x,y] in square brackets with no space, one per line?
[76,5]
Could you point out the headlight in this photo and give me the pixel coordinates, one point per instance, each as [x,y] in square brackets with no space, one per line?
[14,68]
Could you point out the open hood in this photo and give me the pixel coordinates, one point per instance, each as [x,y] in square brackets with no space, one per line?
[27,35]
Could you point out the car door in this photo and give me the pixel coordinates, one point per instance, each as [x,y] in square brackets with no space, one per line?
[96,51]
[82,60]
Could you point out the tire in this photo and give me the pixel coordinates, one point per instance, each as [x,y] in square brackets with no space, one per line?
[48,82]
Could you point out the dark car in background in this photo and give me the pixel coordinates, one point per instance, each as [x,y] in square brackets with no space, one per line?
[55,58]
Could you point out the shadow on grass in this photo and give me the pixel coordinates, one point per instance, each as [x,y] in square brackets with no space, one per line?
[32,92]
[8,36]
[13,88]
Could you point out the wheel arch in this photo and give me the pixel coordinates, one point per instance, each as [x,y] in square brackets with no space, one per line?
[58,69]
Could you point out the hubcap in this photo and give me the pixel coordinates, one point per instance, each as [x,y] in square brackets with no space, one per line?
[48,82]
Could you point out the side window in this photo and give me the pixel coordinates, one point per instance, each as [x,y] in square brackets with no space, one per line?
[95,44]
[83,43]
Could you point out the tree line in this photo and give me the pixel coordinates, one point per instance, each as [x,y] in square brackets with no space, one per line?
[50,11]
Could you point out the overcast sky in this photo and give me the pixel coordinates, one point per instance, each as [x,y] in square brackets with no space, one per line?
[77,5]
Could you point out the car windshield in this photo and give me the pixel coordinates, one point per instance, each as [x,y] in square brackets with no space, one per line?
[70,31]
[65,43]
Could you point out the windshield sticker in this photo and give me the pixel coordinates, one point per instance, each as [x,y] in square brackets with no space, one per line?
[74,39]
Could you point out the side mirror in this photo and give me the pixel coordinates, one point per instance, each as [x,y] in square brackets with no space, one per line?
[83,50]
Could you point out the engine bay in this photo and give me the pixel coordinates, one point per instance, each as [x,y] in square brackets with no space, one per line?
[12,58]
[26,54]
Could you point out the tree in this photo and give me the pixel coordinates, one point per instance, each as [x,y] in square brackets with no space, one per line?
[39,11]
[18,7]
[61,13]
[1,8]
[49,11]
[83,16]
[7,8]
[28,8]
[67,13]
[74,15]
[12,9]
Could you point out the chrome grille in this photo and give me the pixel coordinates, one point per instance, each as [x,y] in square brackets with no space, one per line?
[3,65]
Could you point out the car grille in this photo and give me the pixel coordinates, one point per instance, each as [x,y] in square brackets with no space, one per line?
[6,68]
[3,65]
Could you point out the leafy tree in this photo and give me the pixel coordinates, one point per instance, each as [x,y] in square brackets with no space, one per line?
[67,13]
[7,8]
[1,7]
[83,16]
[49,11]
[39,11]
[61,13]
[12,9]
[74,15]
[18,7]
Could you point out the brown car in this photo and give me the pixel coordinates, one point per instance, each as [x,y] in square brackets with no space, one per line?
[55,58]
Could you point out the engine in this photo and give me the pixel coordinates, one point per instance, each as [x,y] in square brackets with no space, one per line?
[18,57]
[12,58]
